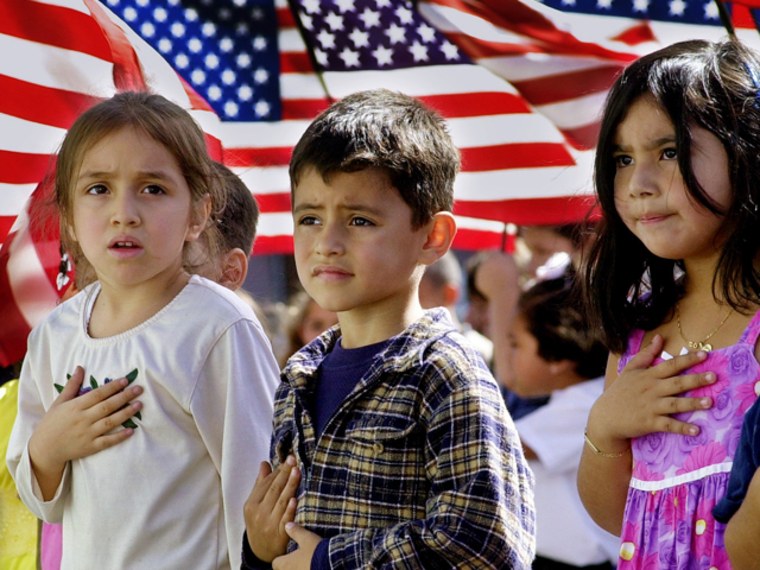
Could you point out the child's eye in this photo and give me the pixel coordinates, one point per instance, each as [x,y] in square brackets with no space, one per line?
[670,154]
[622,160]
[359,221]
[154,189]
[308,221]
[97,189]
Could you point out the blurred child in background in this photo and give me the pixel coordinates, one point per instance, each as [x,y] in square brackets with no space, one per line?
[555,354]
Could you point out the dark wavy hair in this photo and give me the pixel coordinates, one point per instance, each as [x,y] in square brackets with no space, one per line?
[697,83]
[555,317]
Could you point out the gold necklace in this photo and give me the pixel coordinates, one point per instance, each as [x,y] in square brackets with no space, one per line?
[700,344]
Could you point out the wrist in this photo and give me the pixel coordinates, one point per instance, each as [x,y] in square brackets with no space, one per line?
[44,462]
[609,449]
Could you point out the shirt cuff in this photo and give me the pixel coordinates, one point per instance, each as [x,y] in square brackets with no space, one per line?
[320,560]
[250,561]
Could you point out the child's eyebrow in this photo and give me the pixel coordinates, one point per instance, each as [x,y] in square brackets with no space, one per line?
[362,208]
[658,142]
[147,174]
[306,206]
[347,207]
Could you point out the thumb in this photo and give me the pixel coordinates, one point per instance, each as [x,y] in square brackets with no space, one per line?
[296,532]
[70,390]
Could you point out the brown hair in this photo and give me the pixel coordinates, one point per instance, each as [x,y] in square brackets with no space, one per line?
[165,122]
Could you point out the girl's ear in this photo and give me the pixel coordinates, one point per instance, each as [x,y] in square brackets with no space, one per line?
[199,218]
[440,234]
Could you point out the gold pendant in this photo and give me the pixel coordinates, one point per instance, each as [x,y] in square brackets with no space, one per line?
[705,346]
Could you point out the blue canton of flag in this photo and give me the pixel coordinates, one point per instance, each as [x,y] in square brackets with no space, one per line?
[227,51]
[703,12]
[373,35]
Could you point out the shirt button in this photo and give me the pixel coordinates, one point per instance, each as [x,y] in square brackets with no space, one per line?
[378,447]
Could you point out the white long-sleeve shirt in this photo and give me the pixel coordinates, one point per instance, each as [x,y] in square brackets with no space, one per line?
[172,495]
[564,530]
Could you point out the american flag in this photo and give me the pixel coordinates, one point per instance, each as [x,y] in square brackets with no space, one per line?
[520,83]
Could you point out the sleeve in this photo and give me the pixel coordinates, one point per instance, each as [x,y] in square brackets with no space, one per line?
[555,432]
[250,561]
[232,407]
[743,469]
[31,409]
[480,511]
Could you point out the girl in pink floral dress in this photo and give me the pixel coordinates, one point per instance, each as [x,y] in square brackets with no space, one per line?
[673,281]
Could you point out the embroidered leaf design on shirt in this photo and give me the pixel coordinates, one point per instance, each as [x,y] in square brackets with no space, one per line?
[131,377]
[58,387]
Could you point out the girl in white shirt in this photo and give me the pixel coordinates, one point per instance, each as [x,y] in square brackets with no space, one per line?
[159,481]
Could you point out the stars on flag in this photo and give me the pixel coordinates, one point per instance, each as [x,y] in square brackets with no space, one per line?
[228,53]
[373,34]
[686,11]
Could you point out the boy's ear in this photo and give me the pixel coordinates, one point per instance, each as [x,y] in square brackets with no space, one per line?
[234,269]
[440,234]
[199,218]
[561,366]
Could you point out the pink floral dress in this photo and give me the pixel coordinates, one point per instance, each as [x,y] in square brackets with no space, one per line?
[678,479]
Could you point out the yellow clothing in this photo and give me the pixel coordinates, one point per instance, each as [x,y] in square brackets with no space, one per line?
[18,526]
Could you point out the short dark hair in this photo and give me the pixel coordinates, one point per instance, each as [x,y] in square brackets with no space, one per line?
[555,317]
[238,220]
[697,83]
[390,131]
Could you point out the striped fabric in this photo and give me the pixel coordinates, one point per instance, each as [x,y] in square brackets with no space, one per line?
[520,82]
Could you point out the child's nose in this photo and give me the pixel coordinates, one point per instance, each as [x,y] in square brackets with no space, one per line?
[125,212]
[643,181]
[330,241]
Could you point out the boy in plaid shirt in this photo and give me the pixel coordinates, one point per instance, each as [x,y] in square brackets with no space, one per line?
[392,447]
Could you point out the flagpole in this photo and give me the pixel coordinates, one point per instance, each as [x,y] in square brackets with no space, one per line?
[309,49]
[725,18]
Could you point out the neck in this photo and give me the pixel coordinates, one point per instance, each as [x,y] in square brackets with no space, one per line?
[363,327]
[699,280]
[119,309]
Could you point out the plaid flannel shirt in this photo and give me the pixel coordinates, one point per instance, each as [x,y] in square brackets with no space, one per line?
[419,467]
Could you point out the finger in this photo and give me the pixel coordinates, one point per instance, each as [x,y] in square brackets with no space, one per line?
[117,418]
[669,406]
[280,480]
[685,382]
[111,439]
[296,532]
[101,393]
[288,492]
[670,425]
[678,364]
[290,512]
[262,483]
[647,355]
[115,402]
[70,390]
